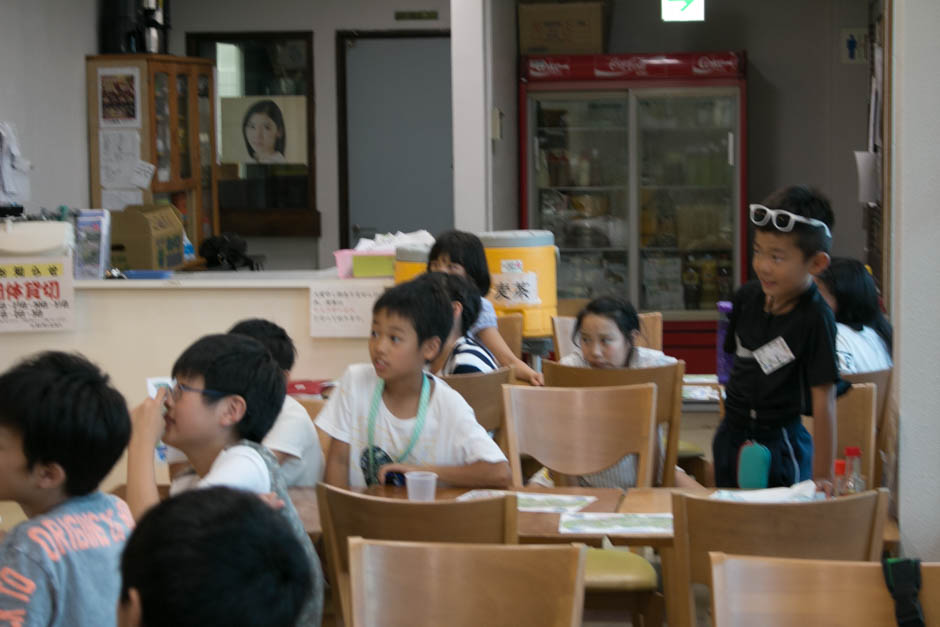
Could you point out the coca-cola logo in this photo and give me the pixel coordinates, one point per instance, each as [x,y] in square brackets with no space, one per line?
[544,67]
[712,65]
[623,66]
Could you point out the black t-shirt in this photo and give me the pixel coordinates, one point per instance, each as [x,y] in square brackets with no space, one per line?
[810,333]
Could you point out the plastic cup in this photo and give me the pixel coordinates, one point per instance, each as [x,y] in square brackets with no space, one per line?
[421,485]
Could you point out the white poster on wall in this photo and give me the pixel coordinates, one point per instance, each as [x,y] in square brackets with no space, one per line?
[343,308]
[36,294]
[118,156]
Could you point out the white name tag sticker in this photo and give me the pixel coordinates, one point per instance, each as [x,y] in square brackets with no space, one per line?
[773,355]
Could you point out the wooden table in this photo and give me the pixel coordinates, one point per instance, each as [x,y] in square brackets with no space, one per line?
[533,527]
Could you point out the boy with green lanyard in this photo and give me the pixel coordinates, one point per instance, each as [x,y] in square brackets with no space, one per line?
[390,417]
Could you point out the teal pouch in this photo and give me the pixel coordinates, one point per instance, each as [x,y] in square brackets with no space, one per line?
[753,466]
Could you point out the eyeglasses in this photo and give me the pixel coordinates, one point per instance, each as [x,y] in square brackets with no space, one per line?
[177,389]
[783,220]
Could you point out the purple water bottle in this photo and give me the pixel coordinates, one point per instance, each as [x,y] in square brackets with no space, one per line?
[725,360]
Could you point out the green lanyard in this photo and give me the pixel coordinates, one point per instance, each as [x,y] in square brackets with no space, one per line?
[419,422]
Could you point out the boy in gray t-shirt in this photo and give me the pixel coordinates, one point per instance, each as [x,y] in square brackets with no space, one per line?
[62,428]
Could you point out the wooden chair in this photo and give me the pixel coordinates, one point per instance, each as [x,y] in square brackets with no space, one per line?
[510,327]
[344,514]
[886,429]
[578,431]
[651,332]
[410,584]
[571,307]
[855,423]
[776,592]
[847,528]
[668,381]
[313,407]
[483,392]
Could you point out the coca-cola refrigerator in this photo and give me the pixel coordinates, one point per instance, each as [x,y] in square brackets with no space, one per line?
[636,163]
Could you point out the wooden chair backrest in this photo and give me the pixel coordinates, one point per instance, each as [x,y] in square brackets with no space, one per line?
[344,514]
[484,393]
[777,592]
[407,584]
[578,431]
[886,429]
[510,327]
[668,381]
[313,407]
[855,423]
[846,528]
[571,307]
[651,332]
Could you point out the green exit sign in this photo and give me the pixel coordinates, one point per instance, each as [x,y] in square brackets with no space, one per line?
[402,16]
[683,10]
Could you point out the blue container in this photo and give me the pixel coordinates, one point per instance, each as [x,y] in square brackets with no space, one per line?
[724,360]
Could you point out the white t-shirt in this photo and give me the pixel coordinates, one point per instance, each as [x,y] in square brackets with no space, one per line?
[642,357]
[238,466]
[292,433]
[451,434]
[860,351]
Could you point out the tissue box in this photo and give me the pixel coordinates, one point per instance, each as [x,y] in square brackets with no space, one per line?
[373,263]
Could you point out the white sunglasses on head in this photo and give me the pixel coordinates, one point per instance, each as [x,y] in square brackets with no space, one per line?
[783,220]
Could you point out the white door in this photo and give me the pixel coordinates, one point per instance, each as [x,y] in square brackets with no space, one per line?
[399,135]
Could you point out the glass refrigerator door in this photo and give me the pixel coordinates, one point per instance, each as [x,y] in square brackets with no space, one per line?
[686,197]
[578,184]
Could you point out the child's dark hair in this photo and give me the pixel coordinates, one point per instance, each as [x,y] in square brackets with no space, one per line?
[462,291]
[856,297]
[425,303]
[237,364]
[215,556]
[622,312]
[270,109]
[807,202]
[274,338]
[67,413]
[467,250]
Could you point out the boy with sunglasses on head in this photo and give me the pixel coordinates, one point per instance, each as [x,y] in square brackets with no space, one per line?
[227,394]
[782,334]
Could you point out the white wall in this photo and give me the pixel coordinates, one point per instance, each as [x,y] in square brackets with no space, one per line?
[43,44]
[807,111]
[916,293]
[469,31]
[324,18]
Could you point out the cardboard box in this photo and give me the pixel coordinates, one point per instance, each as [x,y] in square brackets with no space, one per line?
[147,237]
[562,28]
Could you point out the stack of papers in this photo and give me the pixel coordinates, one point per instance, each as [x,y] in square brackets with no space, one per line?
[537,502]
[612,524]
[802,492]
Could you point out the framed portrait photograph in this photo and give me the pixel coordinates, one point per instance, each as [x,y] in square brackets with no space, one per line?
[264,129]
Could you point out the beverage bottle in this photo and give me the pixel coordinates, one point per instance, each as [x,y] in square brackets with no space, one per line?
[692,286]
[854,482]
[838,486]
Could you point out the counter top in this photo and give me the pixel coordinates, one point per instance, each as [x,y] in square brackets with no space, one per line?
[229,280]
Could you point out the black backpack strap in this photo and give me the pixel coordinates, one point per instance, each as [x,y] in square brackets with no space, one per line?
[902,576]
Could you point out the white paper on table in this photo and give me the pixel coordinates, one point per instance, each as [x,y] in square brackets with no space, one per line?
[537,502]
[143,173]
[603,523]
[118,154]
[117,199]
[802,492]
[699,393]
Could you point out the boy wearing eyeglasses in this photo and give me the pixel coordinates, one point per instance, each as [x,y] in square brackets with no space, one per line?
[227,394]
[782,335]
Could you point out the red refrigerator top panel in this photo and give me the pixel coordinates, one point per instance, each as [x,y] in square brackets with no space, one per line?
[688,65]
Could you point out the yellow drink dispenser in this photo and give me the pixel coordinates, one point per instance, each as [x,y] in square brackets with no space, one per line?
[410,261]
[522,268]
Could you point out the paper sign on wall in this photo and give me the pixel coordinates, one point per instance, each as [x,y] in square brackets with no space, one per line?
[36,294]
[516,288]
[343,309]
[119,154]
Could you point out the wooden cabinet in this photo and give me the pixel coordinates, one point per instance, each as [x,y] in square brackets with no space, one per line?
[159,109]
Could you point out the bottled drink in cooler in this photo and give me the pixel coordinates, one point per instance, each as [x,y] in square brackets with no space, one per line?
[691,286]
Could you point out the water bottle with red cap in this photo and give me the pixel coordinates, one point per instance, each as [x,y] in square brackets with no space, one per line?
[854,482]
